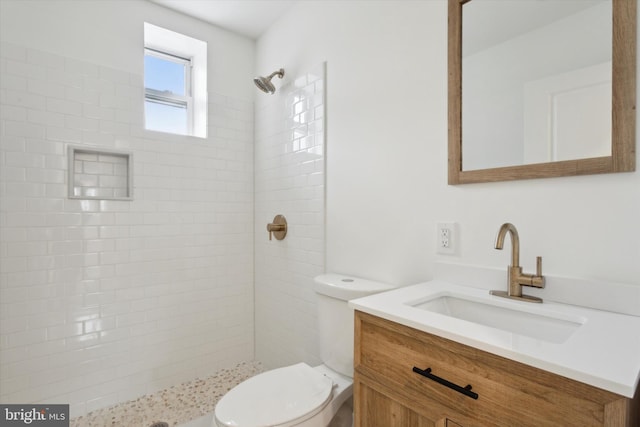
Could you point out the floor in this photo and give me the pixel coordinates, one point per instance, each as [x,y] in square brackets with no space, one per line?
[187,403]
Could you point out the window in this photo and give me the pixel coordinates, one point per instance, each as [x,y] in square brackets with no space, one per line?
[167,86]
[175,82]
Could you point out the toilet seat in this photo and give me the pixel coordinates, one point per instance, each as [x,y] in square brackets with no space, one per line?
[280,397]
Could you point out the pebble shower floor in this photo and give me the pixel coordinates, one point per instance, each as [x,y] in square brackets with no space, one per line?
[175,405]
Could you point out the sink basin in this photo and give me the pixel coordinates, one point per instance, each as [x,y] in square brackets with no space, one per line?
[547,326]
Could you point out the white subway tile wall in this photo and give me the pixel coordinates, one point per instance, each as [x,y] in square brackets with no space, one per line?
[290,171]
[102,301]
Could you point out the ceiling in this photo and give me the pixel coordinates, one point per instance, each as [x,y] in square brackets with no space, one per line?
[250,18]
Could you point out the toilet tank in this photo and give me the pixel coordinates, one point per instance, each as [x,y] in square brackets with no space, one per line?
[335,317]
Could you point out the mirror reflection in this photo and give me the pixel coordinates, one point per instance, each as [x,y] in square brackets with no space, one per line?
[536,81]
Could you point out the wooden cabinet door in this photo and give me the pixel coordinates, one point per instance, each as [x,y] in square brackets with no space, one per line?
[375,409]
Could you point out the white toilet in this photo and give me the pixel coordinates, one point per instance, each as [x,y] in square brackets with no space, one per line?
[299,395]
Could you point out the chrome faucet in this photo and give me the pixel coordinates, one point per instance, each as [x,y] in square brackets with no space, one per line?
[516,278]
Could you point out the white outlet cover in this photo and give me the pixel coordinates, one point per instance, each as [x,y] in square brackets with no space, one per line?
[446,238]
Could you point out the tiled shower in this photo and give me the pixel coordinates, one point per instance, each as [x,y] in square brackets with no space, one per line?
[106,299]
[290,180]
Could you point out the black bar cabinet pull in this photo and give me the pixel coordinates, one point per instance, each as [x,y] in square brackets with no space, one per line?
[464,390]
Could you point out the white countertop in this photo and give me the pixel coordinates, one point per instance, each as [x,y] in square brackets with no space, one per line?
[604,351]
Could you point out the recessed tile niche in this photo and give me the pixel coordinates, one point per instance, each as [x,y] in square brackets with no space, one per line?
[100,174]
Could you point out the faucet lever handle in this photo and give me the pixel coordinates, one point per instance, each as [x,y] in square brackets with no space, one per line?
[539,266]
[538,280]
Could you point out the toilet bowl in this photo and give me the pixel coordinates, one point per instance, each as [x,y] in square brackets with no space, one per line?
[296,395]
[300,395]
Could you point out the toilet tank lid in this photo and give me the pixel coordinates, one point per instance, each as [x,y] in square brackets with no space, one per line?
[344,287]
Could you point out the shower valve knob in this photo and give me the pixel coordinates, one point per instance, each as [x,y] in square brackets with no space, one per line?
[277,228]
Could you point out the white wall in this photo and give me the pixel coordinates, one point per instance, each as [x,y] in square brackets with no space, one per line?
[387,156]
[103,301]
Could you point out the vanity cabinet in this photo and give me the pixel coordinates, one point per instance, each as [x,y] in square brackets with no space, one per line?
[499,392]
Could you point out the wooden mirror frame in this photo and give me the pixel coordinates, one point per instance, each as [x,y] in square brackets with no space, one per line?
[623,138]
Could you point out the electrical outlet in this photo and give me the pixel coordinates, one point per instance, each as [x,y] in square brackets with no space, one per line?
[446,238]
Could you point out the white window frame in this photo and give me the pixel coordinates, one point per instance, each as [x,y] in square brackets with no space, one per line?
[170,98]
[176,47]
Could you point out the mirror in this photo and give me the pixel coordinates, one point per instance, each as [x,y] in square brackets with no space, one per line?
[540,88]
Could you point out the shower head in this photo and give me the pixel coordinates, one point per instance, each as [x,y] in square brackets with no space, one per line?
[264,83]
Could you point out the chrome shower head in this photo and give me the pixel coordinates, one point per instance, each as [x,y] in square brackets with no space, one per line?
[264,83]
